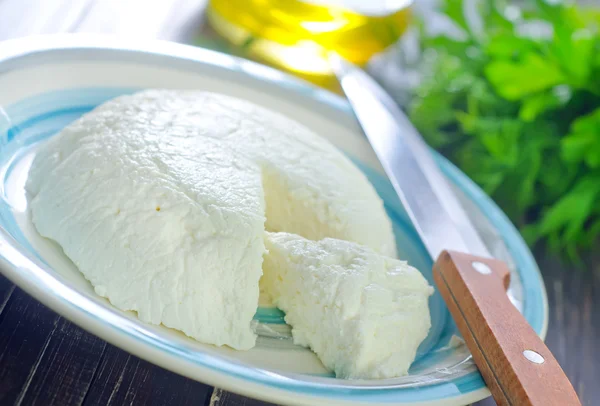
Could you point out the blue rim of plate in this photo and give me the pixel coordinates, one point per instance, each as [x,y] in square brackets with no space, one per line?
[29,273]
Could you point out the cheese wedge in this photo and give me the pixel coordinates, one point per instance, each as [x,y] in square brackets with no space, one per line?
[362,313]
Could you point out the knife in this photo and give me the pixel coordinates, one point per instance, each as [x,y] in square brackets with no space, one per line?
[516,365]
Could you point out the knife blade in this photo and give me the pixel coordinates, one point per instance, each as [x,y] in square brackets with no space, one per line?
[432,206]
[516,365]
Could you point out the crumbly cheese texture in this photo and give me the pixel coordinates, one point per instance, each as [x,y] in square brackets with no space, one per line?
[311,188]
[160,199]
[159,222]
[362,313]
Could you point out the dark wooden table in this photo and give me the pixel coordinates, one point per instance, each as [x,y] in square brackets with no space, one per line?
[47,360]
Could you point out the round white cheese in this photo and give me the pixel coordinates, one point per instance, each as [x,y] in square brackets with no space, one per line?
[160,221]
[160,198]
[362,313]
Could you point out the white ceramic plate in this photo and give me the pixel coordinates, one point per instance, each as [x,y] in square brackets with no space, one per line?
[47,82]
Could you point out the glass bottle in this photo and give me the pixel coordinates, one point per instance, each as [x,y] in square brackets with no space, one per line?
[297,34]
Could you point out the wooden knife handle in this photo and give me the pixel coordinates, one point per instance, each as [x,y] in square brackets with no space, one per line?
[516,365]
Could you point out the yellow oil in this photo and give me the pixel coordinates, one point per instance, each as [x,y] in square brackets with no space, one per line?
[298,34]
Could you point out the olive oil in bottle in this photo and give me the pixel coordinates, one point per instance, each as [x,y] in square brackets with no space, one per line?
[297,34]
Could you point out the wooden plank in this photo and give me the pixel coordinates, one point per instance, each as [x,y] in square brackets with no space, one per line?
[6,290]
[574,325]
[47,360]
[174,20]
[486,402]
[132,18]
[221,397]
[66,368]
[184,22]
[26,328]
[19,18]
[125,379]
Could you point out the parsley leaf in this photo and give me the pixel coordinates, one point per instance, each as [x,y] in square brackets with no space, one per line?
[518,109]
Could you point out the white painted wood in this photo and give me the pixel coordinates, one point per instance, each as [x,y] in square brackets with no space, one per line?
[20,18]
[165,19]
[185,20]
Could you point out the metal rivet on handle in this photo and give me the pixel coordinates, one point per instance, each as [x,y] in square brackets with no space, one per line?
[533,357]
[481,268]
